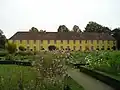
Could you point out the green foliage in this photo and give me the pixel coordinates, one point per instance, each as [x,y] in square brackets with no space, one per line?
[24,53]
[10,57]
[3,53]
[2,40]
[34,29]
[104,61]
[76,58]
[21,48]
[95,27]
[76,28]
[13,77]
[11,47]
[63,28]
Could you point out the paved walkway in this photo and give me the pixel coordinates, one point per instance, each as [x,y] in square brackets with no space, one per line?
[86,81]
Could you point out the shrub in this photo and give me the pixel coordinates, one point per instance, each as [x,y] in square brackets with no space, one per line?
[3,53]
[21,48]
[9,57]
[23,53]
[11,47]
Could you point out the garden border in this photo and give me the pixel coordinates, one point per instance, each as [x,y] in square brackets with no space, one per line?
[16,63]
[106,79]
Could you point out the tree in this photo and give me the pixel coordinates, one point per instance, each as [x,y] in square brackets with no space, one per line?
[21,48]
[95,27]
[33,29]
[116,34]
[41,30]
[63,28]
[76,28]
[11,47]
[2,40]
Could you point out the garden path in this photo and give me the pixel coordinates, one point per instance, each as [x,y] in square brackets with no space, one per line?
[86,81]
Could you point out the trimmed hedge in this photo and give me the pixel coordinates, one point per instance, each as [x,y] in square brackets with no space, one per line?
[16,63]
[106,79]
[3,53]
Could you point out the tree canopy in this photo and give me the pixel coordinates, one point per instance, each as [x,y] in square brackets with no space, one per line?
[34,29]
[116,35]
[2,40]
[63,28]
[76,29]
[95,27]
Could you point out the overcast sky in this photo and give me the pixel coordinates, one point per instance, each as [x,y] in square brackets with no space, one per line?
[21,15]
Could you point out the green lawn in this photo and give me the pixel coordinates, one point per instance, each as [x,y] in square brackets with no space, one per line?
[10,77]
[73,85]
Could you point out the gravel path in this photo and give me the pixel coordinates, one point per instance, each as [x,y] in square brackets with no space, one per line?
[86,81]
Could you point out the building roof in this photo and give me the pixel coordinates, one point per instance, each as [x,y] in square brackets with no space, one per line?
[60,36]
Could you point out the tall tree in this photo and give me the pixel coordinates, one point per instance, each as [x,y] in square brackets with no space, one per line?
[76,28]
[63,28]
[2,40]
[34,29]
[95,27]
[116,34]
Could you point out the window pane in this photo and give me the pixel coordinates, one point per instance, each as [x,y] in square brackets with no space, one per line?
[91,41]
[80,47]
[74,47]
[80,41]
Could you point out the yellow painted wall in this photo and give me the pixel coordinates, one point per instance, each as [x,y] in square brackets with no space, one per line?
[70,43]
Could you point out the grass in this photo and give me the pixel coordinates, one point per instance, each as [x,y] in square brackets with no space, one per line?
[10,77]
[73,85]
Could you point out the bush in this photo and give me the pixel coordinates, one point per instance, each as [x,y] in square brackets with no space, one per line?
[9,57]
[21,48]
[23,53]
[11,47]
[3,53]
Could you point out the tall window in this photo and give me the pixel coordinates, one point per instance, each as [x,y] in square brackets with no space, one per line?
[85,41]
[27,41]
[48,41]
[20,41]
[68,41]
[91,41]
[74,47]
[80,47]
[34,41]
[41,41]
[74,41]
[97,41]
[80,41]
[54,41]
[108,42]
[103,41]
[61,41]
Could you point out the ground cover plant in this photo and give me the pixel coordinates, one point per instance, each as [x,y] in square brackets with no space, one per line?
[104,61]
[47,73]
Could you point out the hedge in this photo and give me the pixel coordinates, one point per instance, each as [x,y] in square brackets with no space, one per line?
[16,63]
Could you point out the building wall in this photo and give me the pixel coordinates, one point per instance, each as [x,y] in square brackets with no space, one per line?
[73,44]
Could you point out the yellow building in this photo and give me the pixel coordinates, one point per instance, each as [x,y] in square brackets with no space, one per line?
[64,40]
